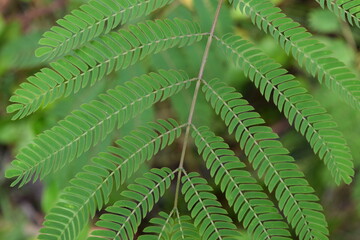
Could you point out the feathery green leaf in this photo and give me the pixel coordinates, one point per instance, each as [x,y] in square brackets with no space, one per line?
[98,58]
[91,20]
[162,228]
[299,107]
[306,50]
[83,128]
[347,10]
[91,188]
[87,48]
[171,226]
[250,203]
[124,217]
[271,161]
[207,212]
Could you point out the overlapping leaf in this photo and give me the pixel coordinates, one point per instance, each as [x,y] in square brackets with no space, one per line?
[171,226]
[91,20]
[298,106]
[252,206]
[309,52]
[91,188]
[89,64]
[83,128]
[208,214]
[100,55]
[270,160]
[124,217]
[162,227]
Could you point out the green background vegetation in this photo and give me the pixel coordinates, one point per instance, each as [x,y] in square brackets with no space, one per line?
[23,22]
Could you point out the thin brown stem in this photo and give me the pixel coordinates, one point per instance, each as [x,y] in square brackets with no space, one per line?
[348,35]
[196,92]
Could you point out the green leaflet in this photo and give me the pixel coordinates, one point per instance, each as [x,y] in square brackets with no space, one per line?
[209,216]
[162,229]
[308,51]
[170,226]
[89,64]
[91,20]
[299,107]
[91,188]
[123,218]
[348,10]
[240,188]
[270,160]
[93,122]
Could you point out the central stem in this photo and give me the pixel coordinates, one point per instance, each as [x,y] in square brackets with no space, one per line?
[196,92]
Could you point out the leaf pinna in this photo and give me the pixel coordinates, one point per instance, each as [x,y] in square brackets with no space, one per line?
[207,212]
[270,159]
[90,21]
[171,226]
[124,216]
[302,111]
[93,61]
[92,123]
[347,10]
[90,189]
[309,52]
[241,190]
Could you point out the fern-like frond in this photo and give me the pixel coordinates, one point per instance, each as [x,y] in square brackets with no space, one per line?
[252,206]
[161,229]
[91,20]
[98,58]
[271,160]
[299,107]
[308,51]
[208,214]
[170,226]
[184,228]
[347,10]
[124,217]
[83,128]
[90,189]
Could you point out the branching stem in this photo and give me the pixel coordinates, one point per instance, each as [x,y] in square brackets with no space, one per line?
[196,92]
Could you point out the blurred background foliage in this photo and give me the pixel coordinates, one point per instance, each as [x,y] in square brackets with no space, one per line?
[23,21]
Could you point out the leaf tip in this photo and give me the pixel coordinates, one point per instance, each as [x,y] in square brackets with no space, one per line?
[42,51]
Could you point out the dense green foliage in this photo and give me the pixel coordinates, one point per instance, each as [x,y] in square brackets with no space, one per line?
[158,73]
